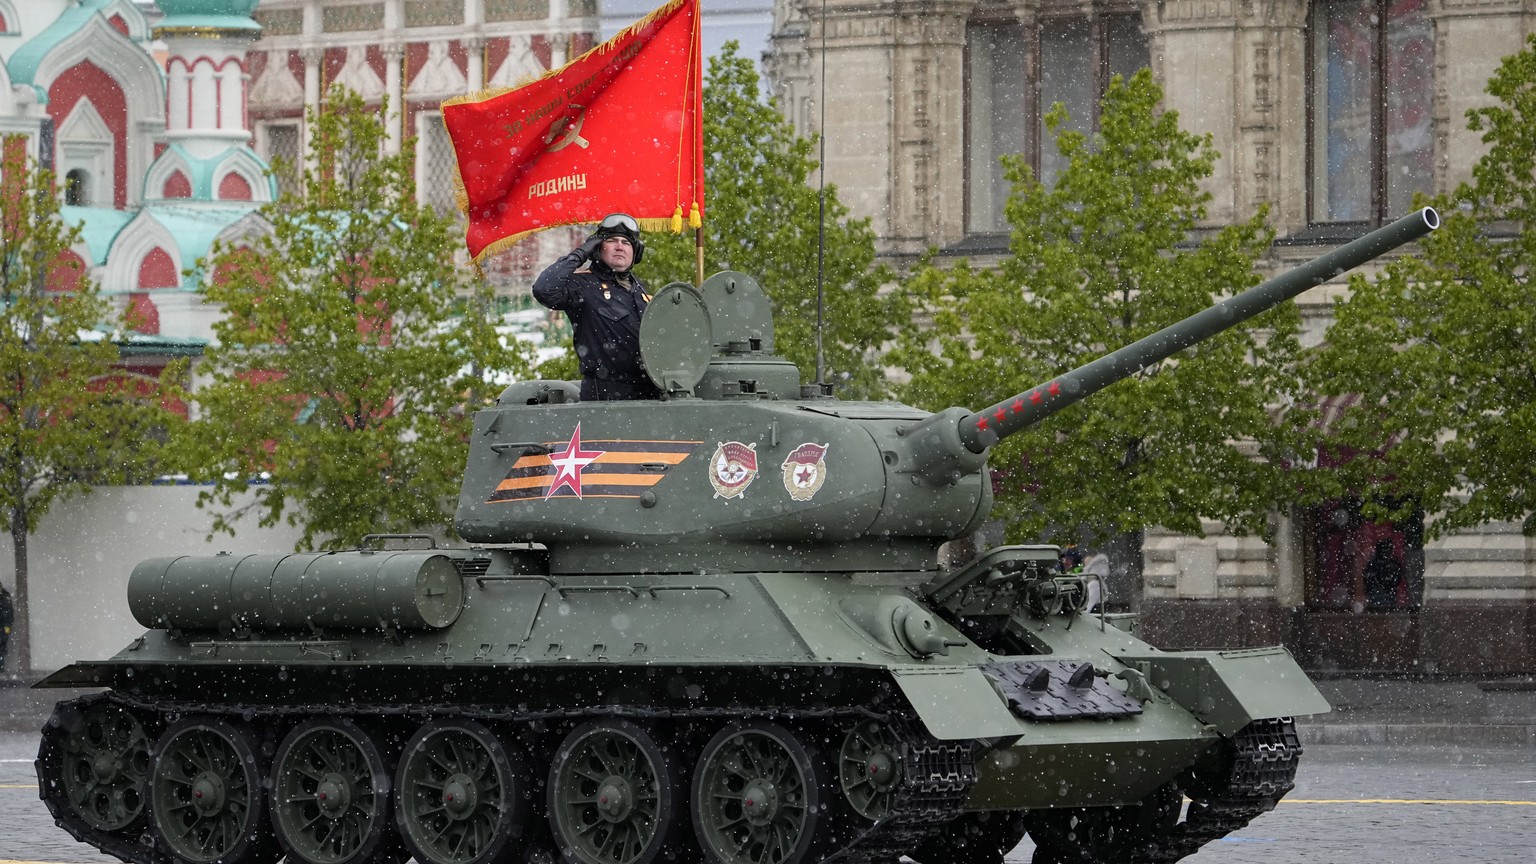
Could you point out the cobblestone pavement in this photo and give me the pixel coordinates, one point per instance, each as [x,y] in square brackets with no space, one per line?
[1365,805]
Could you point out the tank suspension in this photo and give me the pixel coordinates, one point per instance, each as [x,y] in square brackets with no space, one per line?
[459,790]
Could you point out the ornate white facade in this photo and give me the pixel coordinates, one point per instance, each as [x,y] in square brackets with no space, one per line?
[1330,112]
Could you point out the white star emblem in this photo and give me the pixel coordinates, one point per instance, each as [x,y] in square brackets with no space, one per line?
[568,464]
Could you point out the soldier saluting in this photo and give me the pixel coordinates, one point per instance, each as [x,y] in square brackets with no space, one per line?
[604,304]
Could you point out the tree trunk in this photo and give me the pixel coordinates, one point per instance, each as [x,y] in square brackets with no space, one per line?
[19,655]
[1126,587]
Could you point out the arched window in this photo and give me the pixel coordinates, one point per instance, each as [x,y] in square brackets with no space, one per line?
[77,188]
[178,186]
[234,188]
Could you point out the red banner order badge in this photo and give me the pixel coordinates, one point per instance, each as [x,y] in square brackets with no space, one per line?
[617,129]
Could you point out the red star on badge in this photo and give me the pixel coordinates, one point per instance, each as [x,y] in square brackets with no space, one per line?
[568,464]
[803,476]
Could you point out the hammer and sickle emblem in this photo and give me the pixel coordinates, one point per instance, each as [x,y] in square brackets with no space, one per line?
[568,131]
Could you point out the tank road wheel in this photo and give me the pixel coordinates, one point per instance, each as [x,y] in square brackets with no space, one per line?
[613,795]
[94,763]
[869,768]
[205,796]
[759,797]
[461,795]
[330,794]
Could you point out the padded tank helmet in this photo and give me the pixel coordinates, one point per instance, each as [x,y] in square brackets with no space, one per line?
[623,225]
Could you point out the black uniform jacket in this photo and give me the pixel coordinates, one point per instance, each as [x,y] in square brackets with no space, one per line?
[604,314]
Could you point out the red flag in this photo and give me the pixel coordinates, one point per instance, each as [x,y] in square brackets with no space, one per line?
[617,129]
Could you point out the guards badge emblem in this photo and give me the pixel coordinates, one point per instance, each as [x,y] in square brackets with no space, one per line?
[732,469]
[805,470]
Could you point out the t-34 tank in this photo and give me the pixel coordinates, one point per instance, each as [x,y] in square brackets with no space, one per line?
[704,628]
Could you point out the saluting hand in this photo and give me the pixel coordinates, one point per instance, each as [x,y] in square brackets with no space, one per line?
[589,247]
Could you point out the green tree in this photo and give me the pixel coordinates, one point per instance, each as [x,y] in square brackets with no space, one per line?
[1108,254]
[762,219]
[1437,348]
[68,419]
[351,351]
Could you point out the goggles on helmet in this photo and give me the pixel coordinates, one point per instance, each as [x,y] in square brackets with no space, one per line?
[620,222]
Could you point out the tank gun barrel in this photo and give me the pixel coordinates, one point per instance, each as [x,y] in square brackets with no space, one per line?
[982,429]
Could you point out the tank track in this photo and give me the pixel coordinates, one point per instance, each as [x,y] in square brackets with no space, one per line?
[936,777]
[1264,761]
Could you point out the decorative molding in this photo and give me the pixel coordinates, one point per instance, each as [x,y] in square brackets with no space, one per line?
[280,22]
[352,18]
[277,84]
[497,11]
[358,76]
[243,162]
[434,13]
[132,16]
[1480,7]
[1440,116]
[101,45]
[245,231]
[141,235]
[439,75]
[520,66]
[170,163]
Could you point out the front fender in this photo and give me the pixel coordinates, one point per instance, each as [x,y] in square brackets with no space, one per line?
[1228,689]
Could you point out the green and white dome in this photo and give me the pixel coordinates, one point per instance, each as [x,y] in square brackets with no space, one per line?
[208,14]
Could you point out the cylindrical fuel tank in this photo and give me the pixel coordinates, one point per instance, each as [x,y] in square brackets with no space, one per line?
[408,590]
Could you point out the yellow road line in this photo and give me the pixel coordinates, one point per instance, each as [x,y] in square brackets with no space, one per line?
[1452,801]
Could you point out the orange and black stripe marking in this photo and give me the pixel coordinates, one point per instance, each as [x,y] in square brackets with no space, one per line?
[624,470]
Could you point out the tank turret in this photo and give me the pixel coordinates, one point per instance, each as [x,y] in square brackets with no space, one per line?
[708,627]
[741,465]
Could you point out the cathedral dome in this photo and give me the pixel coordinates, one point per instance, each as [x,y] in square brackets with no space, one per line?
[183,16]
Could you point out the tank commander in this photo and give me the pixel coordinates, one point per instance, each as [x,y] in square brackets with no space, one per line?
[604,303]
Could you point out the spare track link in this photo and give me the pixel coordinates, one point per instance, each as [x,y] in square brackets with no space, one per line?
[1265,754]
[937,775]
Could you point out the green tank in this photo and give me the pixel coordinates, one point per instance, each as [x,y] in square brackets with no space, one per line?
[710,627]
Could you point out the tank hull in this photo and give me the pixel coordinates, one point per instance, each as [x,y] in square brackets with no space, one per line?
[533,658]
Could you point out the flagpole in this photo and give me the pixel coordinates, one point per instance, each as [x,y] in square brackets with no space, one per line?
[698,255]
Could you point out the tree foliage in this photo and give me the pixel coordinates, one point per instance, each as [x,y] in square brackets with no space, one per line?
[351,351]
[1109,254]
[762,219]
[68,417]
[1437,347]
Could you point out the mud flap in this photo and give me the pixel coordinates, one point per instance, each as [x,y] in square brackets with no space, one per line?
[1228,689]
[957,703]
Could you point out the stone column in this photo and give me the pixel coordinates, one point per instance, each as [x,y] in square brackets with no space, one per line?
[313,58]
[474,68]
[394,55]
[1236,69]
